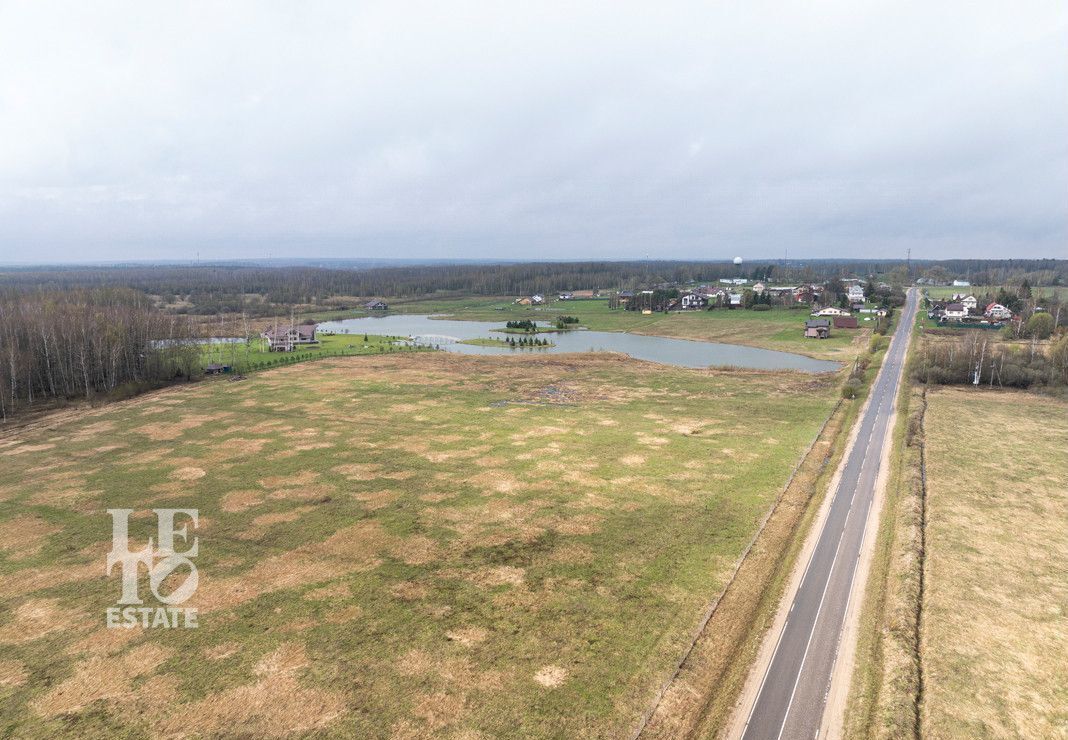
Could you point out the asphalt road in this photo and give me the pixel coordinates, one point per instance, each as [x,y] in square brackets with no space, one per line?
[793,693]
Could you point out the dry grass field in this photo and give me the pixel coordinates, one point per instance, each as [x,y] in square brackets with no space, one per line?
[995,621]
[391,546]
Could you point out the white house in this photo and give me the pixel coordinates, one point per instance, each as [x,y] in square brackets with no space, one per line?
[855,293]
[758,287]
[537,299]
[693,300]
[955,312]
[735,299]
[997,311]
[969,302]
[831,311]
[961,284]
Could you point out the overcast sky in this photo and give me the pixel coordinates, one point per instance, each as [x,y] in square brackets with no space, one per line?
[533,130]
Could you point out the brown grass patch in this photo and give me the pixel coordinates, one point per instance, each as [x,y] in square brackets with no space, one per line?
[28,580]
[275,705]
[163,432]
[344,614]
[551,676]
[303,478]
[35,618]
[106,641]
[13,673]
[22,448]
[99,677]
[222,651]
[24,535]
[373,500]
[188,473]
[467,636]
[235,501]
[409,591]
[352,549]
[500,575]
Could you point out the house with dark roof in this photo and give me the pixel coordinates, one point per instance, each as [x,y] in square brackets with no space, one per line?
[817,329]
[289,338]
[955,312]
[376,306]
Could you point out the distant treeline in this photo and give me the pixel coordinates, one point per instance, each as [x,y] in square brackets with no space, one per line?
[258,290]
[61,345]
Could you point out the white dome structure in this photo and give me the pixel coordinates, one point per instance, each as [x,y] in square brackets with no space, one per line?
[737,260]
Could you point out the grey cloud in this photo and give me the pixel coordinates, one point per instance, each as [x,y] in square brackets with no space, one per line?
[472,129]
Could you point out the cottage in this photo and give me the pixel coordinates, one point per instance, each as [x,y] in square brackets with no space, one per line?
[845,322]
[961,284]
[954,312]
[691,301]
[566,296]
[289,338]
[759,287]
[537,299]
[831,311]
[998,312]
[855,293]
[735,300]
[817,329]
[217,369]
[376,306]
[969,302]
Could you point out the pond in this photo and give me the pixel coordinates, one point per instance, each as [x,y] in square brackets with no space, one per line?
[680,352]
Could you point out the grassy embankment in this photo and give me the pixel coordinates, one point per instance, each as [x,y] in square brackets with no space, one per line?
[252,355]
[396,545]
[963,646]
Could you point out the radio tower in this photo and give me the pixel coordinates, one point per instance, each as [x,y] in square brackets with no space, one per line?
[908,263]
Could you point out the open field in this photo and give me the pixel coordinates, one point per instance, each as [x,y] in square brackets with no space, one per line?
[995,613]
[392,545]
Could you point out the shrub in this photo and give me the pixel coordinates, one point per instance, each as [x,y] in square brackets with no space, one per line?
[1039,326]
[851,388]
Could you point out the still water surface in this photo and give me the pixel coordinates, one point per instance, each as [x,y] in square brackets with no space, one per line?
[680,352]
